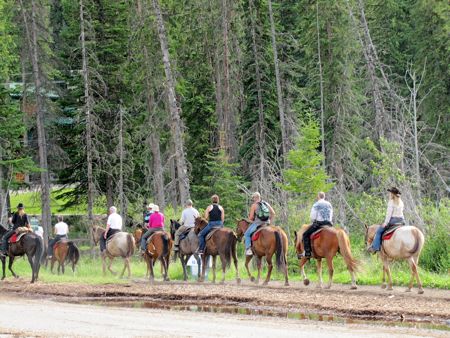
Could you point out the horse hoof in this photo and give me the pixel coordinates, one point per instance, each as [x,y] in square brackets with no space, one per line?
[238,281]
[328,287]
[353,287]
[408,290]
[252,279]
[222,282]
[421,291]
[383,286]
[319,286]
[16,276]
[286,284]
[389,288]
[306,282]
[265,283]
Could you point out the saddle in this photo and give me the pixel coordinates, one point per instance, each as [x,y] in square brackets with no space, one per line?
[107,241]
[18,234]
[389,232]
[211,233]
[153,234]
[185,233]
[255,235]
[61,241]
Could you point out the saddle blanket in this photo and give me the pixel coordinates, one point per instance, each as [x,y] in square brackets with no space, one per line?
[390,231]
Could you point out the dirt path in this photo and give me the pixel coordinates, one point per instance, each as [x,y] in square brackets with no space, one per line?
[364,303]
[44,318]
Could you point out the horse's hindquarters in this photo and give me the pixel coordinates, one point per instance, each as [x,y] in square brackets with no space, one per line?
[407,241]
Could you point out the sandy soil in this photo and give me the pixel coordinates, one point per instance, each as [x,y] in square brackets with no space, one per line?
[364,303]
[45,318]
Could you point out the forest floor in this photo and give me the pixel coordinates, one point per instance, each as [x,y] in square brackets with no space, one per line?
[368,304]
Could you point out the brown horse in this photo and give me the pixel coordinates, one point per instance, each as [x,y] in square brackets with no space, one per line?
[120,245]
[223,244]
[271,240]
[326,245]
[406,243]
[159,245]
[64,250]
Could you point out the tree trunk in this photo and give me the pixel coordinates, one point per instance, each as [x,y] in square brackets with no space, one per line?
[322,117]
[39,89]
[88,102]
[122,197]
[176,123]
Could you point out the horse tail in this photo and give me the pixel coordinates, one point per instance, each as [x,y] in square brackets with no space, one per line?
[38,253]
[73,254]
[229,245]
[280,258]
[345,250]
[165,241]
[130,245]
[418,241]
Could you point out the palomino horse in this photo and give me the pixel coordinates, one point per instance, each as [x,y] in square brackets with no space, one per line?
[64,250]
[221,243]
[271,240]
[187,247]
[406,243]
[29,244]
[159,245]
[328,242]
[120,245]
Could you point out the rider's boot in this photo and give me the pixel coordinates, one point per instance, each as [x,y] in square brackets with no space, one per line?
[249,252]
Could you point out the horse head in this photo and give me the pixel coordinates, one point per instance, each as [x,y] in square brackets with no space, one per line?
[97,233]
[200,223]
[299,237]
[174,226]
[241,228]
[370,233]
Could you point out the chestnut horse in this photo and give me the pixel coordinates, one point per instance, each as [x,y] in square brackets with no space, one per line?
[223,244]
[406,243]
[31,245]
[159,245]
[64,250]
[271,240]
[120,245]
[326,245]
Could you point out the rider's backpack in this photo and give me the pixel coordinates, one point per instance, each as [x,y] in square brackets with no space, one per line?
[263,211]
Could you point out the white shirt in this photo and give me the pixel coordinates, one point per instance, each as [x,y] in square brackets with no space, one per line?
[188,217]
[115,221]
[61,228]
[322,211]
[394,210]
[40,231]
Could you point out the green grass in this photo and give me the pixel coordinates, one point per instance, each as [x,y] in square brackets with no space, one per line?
[89,272]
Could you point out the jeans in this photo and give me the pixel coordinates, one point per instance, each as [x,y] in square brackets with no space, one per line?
[179,231]
[53,241]
[103,240]
[248,235]
[376,244]
[147,235]
[307,235]
[5,238]
[202,234]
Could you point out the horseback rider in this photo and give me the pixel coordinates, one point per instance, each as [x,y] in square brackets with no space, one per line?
[215,215]
[155,223]
[113,225]
[394,215]
[61,229]
[321,215]
[19,219]
[258,215]
[147,214]
[187,221]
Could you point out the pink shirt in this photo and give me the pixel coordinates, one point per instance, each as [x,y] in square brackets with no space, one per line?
[156,220]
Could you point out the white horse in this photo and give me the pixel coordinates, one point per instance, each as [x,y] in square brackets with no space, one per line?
[121,245]
[406,243]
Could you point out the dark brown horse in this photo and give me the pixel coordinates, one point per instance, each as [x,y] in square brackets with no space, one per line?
[158,246]
[31,245]
[271,240]
[223,244]
[63,251]
[327,245]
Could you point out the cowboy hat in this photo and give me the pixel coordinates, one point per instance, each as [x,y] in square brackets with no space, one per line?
[20,206]
[151,206]
[155,207]
[394,190]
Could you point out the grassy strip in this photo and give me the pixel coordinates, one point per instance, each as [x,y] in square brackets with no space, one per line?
[89,271]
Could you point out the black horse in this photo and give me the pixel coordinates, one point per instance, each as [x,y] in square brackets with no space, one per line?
[31,245]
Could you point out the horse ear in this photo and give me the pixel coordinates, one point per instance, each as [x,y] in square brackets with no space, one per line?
[366,226]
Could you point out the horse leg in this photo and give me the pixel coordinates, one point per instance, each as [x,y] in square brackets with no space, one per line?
[166,265]
[414,273]
[183,265]
[259,266]
[383,281]
[389,276]
[224,267]
[199,263]
[330,271]
[124,267]
[247,260]
[33,275]
[104,263]
[11,261]
[269,269]
[302,263]
[214,268]
[319,273]
[235,260]
[3,259]
[52,264]
[111,259]
[202,277]
[152,275]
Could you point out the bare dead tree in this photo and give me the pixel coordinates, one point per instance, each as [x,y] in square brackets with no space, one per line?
[322,118]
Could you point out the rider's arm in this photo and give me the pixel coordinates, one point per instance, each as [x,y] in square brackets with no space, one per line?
[223,214]
[182,219]
[313,215]
[251,215]
[389,211]
[208,209]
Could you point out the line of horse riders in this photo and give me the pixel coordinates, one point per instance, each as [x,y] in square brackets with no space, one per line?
[202,237]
